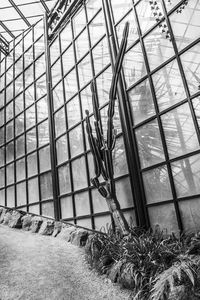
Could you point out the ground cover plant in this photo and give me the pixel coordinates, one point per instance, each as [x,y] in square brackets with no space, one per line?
[153,264]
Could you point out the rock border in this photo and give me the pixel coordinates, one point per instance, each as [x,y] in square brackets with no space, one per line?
[44,226]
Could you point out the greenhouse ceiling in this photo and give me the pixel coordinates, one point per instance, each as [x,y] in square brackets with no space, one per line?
[18,15]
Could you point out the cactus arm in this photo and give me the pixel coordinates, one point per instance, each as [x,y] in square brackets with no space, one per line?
[113,89]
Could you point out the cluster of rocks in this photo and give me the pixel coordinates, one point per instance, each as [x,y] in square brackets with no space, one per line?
[43,226]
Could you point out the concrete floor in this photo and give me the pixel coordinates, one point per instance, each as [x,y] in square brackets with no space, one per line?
[35,267]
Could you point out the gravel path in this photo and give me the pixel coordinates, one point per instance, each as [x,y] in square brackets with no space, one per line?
[35,267]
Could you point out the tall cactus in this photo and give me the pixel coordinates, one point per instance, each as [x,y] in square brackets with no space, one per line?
[102,148]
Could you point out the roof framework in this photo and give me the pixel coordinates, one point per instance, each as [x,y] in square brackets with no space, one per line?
[18,15]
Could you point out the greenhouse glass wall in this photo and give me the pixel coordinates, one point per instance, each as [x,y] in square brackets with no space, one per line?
[45,159]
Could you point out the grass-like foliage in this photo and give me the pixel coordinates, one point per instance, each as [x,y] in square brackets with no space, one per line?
[151,264]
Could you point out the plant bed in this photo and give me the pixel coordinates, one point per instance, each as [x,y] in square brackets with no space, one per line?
[154,265]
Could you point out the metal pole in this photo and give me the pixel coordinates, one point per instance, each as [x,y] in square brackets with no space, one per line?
[51,124]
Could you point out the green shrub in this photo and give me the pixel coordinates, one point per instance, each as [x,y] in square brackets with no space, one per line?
[149,263]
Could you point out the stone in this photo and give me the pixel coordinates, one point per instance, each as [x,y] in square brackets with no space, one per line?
[57,228]
[3,212]
[47,227]
[7,217]
[15,221]
[126,278]
[36,223]
[66,232]
[79,237]
[26,222]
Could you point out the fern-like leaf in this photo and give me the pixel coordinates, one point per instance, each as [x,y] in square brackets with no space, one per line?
[165,282]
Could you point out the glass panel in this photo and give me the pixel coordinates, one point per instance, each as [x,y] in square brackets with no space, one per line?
[84,223]
[41,88]
[19,104]
[48,209]
[119,158]
[79,21]
[45,161]
[60,123]
[66,36]
[92,8]
[55,50]
[84,71]
[29,95]
[2,156]
[10,173]
[2,177]
[158,46]
[149,144]
[133,34]
[32,164]
[58,96]
[76,141]
[42,109]
[103,82]
[19,124]
[73,112]
[70,81]
[82,45]
[141,101]
[2,197]
[120,9]
[62,149]
[97,28]
[10,197]
[187,176]
[168,85]
[191,65]
[102,221]
[33,190]
[99,203]
[134,66]
[9,131]
[124,193]
[190,211]
[179,131]
[46,186]
[157,185]
[68,59]
[31,140]
[148,13]
[66,207]
[101,56]
[185,25]
[9,111]
[56,72]
[34,209]
[20,146]
[64,179]
[30,116]
[164,216]
[9,152]
[82,204]
[196,105]
[21,194]
[86,100]
[2,136]
[79,173]
[20,169]
[28,74]
[43,133]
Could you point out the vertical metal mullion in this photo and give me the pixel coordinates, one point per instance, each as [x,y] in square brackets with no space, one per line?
[84,137]
[36,124]
[5,180]
[67,132]
[51,122]
[128,135]
[179,221]
[182,72]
